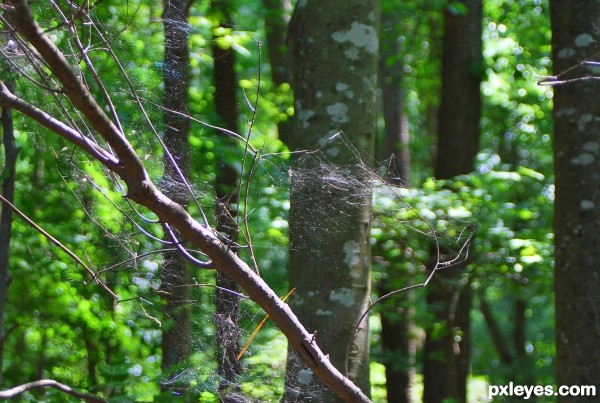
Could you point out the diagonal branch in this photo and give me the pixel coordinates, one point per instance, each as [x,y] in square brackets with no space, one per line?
[10,100]
[20,15]
[59,245]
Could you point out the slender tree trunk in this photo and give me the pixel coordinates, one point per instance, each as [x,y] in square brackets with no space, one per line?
[396,324]
[495,332]
[91,348]
[520,327]
[276,21]
[577,207]
[396,135]
[7,169]
[333,52]
[458,143]
[460,106]
[176,337]
[461,346]
[227,314]
[437,340]
[398,348]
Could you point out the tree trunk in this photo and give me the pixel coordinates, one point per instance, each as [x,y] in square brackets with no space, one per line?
[227,314]
[7,171]
[458,143]
[176,338]
[396,136]
[276,20]
[495,332]
[396,324]
[333,59]
[460,105]
[437,342]
[577,209]
[91,349]
[520,327]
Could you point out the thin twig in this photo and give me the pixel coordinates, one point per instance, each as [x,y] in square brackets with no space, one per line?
[184,252]
[59,244]
[439,264]
[252,164]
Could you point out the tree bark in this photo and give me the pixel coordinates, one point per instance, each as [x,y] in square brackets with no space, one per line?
[437,343]
[520,327]
[176,338]
[396,323]
[460,105]
[333,49]
[7,172]
[396,136]
[577,208]
[227,308]
[458,144]
[495,331]
[276,21]
[49,383]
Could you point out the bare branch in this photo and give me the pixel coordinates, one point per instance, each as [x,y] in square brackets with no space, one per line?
[10,100]
[49,383]
[59,244]
[79,94]
[559,80]
[184,252]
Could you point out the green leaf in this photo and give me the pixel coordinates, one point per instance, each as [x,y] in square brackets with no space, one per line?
[530,173]
[505,176]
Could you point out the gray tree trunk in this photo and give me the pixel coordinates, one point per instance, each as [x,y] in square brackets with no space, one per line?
[176,338]
[577,207]
[276,21]
[227,305]
[333,49]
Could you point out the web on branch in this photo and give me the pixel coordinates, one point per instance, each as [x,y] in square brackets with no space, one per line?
[428,229]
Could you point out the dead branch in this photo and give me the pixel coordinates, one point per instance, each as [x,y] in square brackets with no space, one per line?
[49,383]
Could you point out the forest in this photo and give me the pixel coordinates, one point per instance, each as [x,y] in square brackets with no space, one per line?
[299,201]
